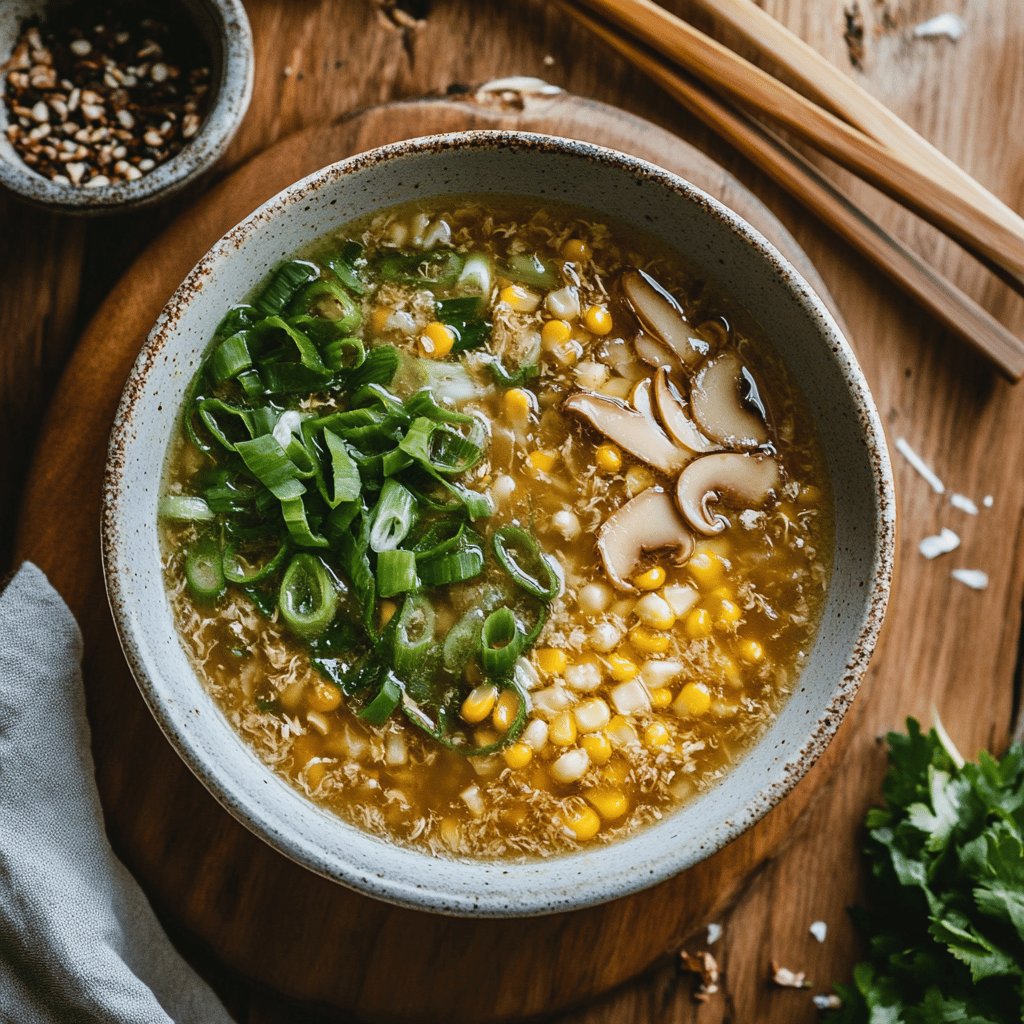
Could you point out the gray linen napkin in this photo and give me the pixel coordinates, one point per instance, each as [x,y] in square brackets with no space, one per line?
[79,942]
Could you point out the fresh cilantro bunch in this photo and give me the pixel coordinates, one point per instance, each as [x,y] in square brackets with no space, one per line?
[945,911]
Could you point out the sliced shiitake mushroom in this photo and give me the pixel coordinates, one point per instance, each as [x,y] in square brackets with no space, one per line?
[652,352]
[649,522]
[726,404]
[663,317]
[672,411]
[740,479]
[637,432]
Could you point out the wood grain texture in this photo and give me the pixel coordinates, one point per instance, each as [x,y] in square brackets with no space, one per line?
[184,843]
[944,646]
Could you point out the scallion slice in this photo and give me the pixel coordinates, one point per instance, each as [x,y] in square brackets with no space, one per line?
[186,508]
[415,625]
[286,282]
[393,516]
[396,572]
[204,568]
[230,358]
[501,643]
[378,367]
[328,301]
[269,463]
[380,709]
[454,567]
[241,570]
[520,556]
[308,597]
[347,265]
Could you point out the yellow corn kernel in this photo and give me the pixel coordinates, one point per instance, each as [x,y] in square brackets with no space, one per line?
[621,668]
[480,703]
[620,732]
[315,774]
[584,824]
[597,745]
[751,652]
[567,354]
[562,729]
[729,613]
[651,579]
[598,320]
[698,624]
[654,611]
[505,710]
[693,699]
[551,660]
[707,569]
[379,319]
[437,340]
[661,697]
[541,461]
[656,735]
[386,611]
[517,404]
[555,332]
[519,299]
[609,458]
[617,772]
[576,250]
[518,755]
[609,803]
[649,641]
[324,697]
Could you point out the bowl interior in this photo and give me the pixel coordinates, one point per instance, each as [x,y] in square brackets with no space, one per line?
[737,262]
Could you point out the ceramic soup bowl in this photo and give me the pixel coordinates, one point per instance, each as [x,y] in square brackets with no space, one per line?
[739,263]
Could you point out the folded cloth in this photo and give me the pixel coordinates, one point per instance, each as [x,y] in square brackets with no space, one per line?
[78,940]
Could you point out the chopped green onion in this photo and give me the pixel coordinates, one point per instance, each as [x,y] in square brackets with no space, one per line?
[308,597]
[237,318]
[296,519]
[328,301]
[392,517]
[240,570]
[415,625]
[441,449]
[476,274]
[230,358]
[347,265]
[530,269]
[269,463]
[380,709]
[501,643]
[439,538]
[521,557]
[344,354]
[438,268]
[186,508]
[225,422]
[462,641]
[204,569]
[453,567]
[287,280]
[378,367]
[396,572]
[309,355]
[504,379]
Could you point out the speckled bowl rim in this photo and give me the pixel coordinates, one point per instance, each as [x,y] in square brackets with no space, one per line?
[579,888]
[222,121]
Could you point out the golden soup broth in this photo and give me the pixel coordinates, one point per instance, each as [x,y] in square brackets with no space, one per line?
[649,714]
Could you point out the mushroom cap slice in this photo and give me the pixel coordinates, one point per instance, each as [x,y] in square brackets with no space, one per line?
[654,353]
[672,412]
[636,432]
[663,317]
[649,522]
[726,405]
[737,478]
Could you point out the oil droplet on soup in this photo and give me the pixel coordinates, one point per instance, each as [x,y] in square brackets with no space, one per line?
[493,530]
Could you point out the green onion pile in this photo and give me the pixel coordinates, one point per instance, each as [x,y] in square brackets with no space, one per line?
[317,514]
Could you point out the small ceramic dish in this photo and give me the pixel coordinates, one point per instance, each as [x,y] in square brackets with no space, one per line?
[738,262]
[223,27]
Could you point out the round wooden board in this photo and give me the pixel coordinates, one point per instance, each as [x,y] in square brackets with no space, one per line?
[259,913]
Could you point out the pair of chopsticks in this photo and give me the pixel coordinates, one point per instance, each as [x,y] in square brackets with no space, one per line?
[849,126]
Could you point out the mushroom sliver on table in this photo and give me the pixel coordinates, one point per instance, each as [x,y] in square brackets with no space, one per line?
[494,531]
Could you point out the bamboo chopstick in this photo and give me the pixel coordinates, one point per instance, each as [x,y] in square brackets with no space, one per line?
[722,70]
[952,307]
[823,81]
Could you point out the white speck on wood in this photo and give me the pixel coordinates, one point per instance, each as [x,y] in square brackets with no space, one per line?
[920,465]
[988,501]
[714,933]
[939,544]
[819,930]
[973,578]
[948,25]
[829,1001]
[962,502]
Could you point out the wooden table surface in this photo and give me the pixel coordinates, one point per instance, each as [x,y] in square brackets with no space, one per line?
[318,59]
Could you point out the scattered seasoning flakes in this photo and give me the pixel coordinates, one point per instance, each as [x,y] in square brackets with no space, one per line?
[819,930]
[853,34]
[714,933]
[920,465]
[703,964]
[828,1001]
[99,94]
[962,502]
[948,25]
[940,544]
[785,978]
[976,579]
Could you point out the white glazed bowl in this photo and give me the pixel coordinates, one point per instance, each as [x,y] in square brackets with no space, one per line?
[738,262]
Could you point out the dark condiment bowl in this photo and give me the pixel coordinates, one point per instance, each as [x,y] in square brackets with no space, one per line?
[223,29]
